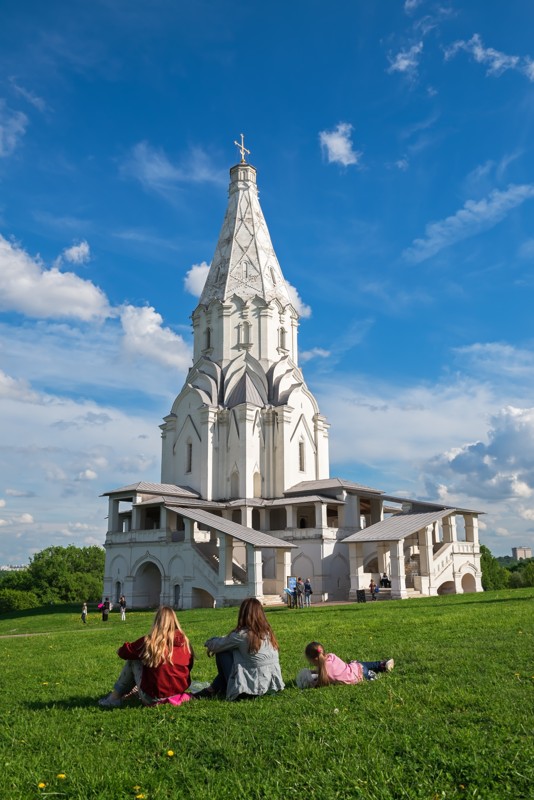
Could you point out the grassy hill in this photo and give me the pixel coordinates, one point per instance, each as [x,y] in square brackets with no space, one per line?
[454,720]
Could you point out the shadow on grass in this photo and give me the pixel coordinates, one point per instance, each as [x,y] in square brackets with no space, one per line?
[67,702]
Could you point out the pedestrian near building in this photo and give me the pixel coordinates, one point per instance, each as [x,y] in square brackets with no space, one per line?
[84,613]
[122,604]
[308,591]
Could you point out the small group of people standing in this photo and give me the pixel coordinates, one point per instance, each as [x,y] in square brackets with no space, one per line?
[158,666]
[301,594]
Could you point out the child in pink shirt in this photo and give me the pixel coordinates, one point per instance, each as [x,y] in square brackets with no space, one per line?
[331,669]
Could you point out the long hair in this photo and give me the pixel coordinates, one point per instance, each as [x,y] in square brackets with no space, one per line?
[315,653]
[252,619]
[159,643]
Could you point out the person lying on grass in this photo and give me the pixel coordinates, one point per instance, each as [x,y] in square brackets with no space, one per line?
[328,668]
[247,659]
[159,664]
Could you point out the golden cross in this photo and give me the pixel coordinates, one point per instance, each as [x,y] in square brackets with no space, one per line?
[241,147]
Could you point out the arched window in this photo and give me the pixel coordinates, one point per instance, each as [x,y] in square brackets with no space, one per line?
[208,338]
[273,276]
[302,456]
[189,456]
[245,270]
[282,338]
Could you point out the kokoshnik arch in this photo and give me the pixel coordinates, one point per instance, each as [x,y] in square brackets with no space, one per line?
[246,498]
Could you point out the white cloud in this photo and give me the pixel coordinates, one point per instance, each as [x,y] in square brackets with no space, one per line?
[496,62]
[406,61]
[145,335]
[16,389]
[300,306]
[78,253]
[315,352]
[196,278]
[33,99]
[526,249]
[402,164]
[27,287]
[23,519]
[411,5]
[87,475]
[155,171]
[12,129]
[473,218]
[500,468]
[2,503]
[337,145]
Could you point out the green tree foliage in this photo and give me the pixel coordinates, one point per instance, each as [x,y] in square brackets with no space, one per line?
[16,600]
[68,574]
[55,575]
[493,575]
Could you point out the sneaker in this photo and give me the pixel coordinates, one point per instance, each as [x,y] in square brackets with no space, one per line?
[205,694]
[371,676]
[389,664]
[109,702]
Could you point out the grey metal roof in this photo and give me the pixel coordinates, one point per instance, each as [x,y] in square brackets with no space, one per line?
[428,504]
[260,502]
[169,501]
[330,483]
[397,527]
[156,488]
[248,535]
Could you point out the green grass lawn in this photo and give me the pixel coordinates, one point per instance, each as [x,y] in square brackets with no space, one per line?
[454,720]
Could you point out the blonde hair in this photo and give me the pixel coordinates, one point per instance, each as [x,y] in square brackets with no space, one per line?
[159,643]
[315,653]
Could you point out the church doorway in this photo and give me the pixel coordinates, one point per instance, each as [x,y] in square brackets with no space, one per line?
[147,586]
[468,584]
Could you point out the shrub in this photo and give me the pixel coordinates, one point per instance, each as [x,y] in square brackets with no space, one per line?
[16,600]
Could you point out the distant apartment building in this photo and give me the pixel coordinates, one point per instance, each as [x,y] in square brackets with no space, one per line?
[521,552]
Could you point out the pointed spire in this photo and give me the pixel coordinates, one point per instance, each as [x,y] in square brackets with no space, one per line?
[244,263]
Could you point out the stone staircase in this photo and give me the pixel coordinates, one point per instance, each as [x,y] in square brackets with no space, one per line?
[272,600]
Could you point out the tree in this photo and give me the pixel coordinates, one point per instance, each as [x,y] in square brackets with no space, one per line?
[493,575]
[68,574]
[15,600]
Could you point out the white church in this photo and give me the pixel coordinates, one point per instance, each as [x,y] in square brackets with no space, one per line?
[246,499]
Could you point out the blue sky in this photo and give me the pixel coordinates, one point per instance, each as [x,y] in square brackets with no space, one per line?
[393,143]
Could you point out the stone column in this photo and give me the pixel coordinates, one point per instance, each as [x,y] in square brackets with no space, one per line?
[377,514]
[254,571]
[352,512]
[471,528]
[398,573]
[357,580]
[291,517]
[225,550]
[113,515]
[450,534]
[282,568]
[382,555]
[320,515]
[246,516]
[426,560]
[264,526]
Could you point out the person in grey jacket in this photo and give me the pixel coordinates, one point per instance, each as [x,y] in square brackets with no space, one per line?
[247,659]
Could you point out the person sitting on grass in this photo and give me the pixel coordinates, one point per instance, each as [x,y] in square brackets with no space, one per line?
[159,664]
[328,668]
[247,659]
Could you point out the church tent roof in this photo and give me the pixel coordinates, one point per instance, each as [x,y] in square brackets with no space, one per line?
[247,535]
[397,527]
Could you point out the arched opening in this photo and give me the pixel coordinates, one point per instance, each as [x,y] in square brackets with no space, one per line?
[302,456]
[118,591]
[234,484]
[447,588]
[200,598]
[257,484]
[236,516]
[255,519]
[189,456]
[177,595]
[469,584]
[147,586]
[208,338]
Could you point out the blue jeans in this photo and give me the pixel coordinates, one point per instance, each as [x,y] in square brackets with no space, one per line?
[225,665]
[374,666]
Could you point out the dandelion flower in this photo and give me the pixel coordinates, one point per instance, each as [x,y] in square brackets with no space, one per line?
[170,753]
[140,796]
[61,776]
[136,788]
[41,785]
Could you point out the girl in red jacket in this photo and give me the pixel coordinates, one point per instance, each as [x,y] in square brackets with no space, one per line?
[159,664]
